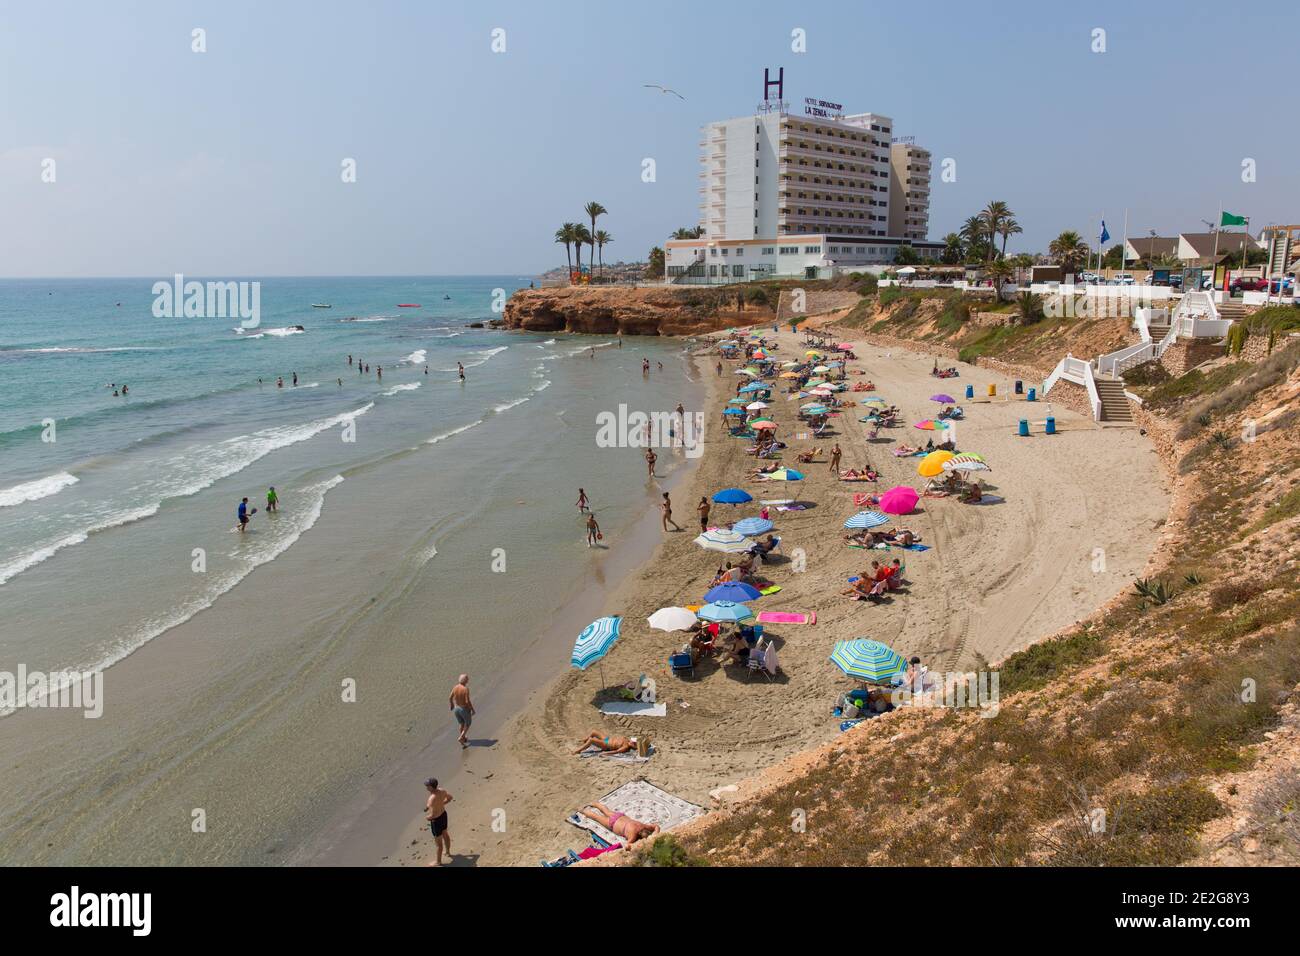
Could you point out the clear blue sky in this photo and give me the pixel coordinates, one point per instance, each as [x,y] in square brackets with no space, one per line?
[228,162]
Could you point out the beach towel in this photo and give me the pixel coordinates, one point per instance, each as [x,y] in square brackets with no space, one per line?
[629,757]
[986,500]
[594,851]
[633,708]
[777,501]
[849,724]
[912,547]
[856,478]
[640,800]
[861,500]
[787,617]
[770,589]
[791,508]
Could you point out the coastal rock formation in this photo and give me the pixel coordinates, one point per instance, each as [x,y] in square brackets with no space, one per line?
[630,311]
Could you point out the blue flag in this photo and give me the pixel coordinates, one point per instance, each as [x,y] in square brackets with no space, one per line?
[1105,236]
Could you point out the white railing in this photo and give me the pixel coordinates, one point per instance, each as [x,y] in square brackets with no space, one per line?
[1080,372]
[1119,362]
[1196,305]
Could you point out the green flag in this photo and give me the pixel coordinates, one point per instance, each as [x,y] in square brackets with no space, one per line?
[1228,219]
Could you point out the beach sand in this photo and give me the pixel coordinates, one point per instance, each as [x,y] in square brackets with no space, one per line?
[1078,520]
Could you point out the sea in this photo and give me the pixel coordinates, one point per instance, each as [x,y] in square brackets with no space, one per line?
[423,520]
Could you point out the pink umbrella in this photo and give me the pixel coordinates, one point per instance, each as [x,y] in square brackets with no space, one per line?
[899,500]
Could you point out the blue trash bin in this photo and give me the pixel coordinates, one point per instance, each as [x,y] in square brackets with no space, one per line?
[1024,427]
[1020,387]
[1032,396]
[970,391]
[1051,425]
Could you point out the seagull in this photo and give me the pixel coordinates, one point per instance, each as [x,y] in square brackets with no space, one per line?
[663,89]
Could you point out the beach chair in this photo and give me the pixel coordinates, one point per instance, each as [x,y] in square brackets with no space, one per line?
[681,664]
[762,660]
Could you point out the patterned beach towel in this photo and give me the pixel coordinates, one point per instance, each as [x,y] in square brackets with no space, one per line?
[641,800]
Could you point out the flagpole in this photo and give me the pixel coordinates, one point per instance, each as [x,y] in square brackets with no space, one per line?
[1214,264]
[1123,249]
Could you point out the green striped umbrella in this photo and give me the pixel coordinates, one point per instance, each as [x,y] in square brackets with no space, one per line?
[868,660]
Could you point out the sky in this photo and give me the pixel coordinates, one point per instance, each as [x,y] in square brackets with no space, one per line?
[230,162]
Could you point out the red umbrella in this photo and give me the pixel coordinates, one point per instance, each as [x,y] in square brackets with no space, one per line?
[899,500]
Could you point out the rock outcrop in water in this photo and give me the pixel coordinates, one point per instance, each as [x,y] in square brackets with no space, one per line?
[627,311]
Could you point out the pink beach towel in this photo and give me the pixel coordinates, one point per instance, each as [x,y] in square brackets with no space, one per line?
[787,617]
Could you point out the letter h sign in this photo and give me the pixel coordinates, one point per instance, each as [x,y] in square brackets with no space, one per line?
[779,83]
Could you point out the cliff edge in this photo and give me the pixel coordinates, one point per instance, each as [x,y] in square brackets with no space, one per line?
[632,311]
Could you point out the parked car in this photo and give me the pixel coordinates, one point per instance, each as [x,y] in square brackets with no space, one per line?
[1287,283]
[1123,279]
[1247,285]
[1175,280]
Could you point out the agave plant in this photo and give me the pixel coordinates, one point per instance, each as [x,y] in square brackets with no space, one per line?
[1156,592]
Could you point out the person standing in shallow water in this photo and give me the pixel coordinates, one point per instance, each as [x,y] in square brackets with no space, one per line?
[435,811]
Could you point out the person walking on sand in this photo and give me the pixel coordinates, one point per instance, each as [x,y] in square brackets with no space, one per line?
[703,508]
[650,459]
[582,500]
[435,811]
[272,499]
[666,506]
[462,707]
[835,460]
[593,530]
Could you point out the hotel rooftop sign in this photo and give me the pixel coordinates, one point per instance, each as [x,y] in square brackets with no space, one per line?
[822,108]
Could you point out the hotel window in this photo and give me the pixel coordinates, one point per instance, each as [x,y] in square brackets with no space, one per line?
[713,252]
[738,271]
[713,270]
[769,250]
[724,252]
[811,250]
[740,251]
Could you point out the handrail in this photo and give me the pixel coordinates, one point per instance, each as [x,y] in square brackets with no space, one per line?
[1117,362]
[1080,373]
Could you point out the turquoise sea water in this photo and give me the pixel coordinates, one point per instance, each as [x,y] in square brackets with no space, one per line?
[120,528]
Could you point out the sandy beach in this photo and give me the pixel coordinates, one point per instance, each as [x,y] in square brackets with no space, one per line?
[996,578]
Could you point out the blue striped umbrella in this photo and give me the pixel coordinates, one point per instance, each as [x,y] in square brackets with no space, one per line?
[733,591]
[868,660]
[724,612]
[866,519]
[752,526]
[595,641]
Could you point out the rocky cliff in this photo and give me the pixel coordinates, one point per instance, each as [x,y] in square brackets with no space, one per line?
[627,311]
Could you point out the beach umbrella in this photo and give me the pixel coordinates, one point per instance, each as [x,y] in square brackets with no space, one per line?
[813,353]
[866,519]
[804,408]
[815,383]
[868,660]
[969,456]
[943,399]
[741,371]
[724,612]
[932,464]
[815,409]
[752,372]
[594,643]
[752,526]
[845,346]
[785,474]
[877,402]
[899,501]
[789,374]
[733,591]
[821,368]
[728,542]
[756,406]
[789,364]
[732,496]
[930,425]
[734,411]
[755,387]
[953,465]
[672,619]
[737,401]
[765,424]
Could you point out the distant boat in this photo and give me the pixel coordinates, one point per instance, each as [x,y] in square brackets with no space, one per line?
[408,305]
[446,297]
[321,305]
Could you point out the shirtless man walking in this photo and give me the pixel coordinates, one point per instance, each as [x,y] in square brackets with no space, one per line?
[435,811]
[462,707]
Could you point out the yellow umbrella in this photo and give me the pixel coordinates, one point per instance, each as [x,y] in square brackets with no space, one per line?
[789,374]
[813,353]
[931,465]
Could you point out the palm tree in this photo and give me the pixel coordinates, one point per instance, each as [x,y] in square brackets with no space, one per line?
[594,209]
[581,236]
[602,239]
[694,232]
[993,215]
[973,232]
[565,235]
[1069,250]
[1006,229]
[953,248]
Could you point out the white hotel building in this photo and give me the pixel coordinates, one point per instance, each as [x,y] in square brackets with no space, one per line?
[783,194]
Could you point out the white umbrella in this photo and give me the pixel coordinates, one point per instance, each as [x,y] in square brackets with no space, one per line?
[672,619]
[721,539]
[756,406]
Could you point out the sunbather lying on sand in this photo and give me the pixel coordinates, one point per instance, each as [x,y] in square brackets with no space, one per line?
[902,451]
[853,474]
[614,821]
[765,470]
[901,536]
[608,743]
